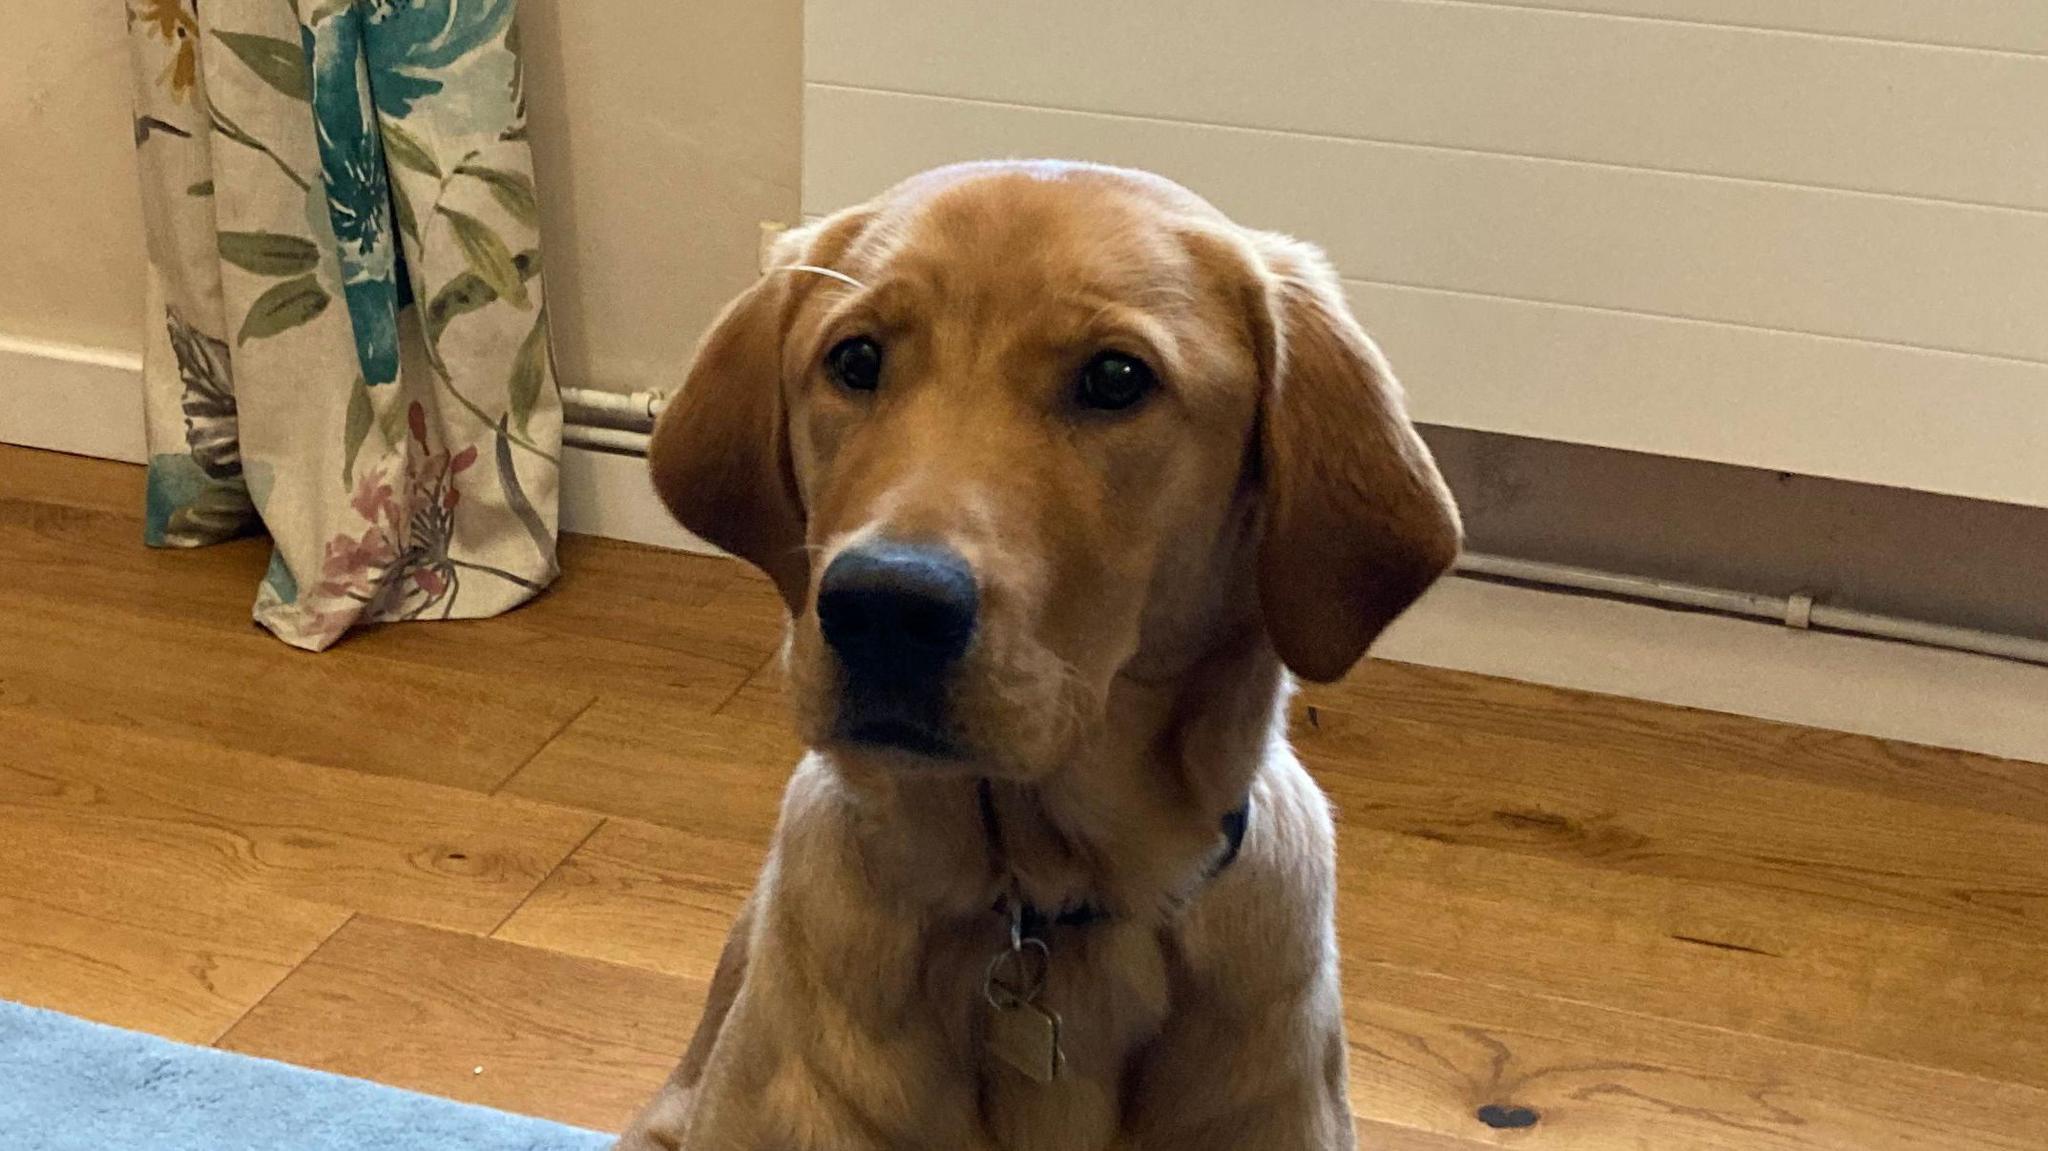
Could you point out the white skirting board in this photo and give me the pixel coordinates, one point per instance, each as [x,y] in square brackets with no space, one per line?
[86,401]
[1721,663]
[609,495]
[90,403]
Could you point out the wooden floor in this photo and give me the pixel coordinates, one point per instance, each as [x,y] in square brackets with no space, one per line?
[495,861]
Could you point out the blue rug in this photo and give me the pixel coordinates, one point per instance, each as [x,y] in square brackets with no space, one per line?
[69,1085]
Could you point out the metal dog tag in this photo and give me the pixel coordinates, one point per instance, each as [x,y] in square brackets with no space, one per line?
[1027,1037]
[1020,1032]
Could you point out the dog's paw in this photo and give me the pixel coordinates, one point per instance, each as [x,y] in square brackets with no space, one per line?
[661,1126]
[640,1139]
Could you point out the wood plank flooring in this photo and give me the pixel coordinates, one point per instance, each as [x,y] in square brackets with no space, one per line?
[496,861]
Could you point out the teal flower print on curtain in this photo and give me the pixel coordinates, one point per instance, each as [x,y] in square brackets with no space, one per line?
[350,339]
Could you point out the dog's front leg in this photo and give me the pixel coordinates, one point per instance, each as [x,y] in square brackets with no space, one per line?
[1270,1082]
[664,1122]
[1300,1116]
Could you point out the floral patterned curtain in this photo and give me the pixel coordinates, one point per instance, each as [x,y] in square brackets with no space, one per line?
[349,343]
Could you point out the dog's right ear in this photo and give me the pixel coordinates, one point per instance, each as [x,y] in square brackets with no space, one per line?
[1358,520]
[720,453]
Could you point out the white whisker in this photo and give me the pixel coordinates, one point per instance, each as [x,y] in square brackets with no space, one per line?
[828,273]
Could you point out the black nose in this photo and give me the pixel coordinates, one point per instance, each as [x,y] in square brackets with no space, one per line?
[896,611]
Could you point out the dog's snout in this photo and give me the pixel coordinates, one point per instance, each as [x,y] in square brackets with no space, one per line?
[898,611]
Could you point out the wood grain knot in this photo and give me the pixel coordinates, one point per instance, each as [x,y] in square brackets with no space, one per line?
[1598,838]
[1508,1117]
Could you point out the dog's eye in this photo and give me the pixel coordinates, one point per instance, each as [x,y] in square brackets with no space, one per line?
[856,364]
[1113,381]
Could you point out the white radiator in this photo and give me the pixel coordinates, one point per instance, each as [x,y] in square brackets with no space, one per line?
[1808,237]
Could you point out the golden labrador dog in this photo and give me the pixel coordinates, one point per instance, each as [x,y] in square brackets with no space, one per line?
[1059,471]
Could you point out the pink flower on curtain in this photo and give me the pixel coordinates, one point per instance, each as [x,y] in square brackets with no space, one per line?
[399,566]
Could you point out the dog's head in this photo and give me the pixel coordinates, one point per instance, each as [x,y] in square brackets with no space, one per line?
[1013,430]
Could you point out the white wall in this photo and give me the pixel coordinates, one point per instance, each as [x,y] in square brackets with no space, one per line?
[70,217]
[1999,25]
[664,134]
[1809,237]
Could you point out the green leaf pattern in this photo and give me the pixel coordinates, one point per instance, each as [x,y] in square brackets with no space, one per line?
[320,163]
[284,307]
[513,191]
[529,368]
[466,293]
[278,63]
[488,257]
[269,253]
[400,148]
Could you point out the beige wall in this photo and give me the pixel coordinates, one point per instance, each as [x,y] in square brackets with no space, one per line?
[70,221]
[664,134]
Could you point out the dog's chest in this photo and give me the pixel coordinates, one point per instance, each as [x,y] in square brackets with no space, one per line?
[1104,991]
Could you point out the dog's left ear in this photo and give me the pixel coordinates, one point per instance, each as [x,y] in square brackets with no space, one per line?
[1358,522]
[719,455]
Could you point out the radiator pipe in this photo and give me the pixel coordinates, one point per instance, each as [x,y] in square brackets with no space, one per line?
[632,412]
[615,440]
[1798,610]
